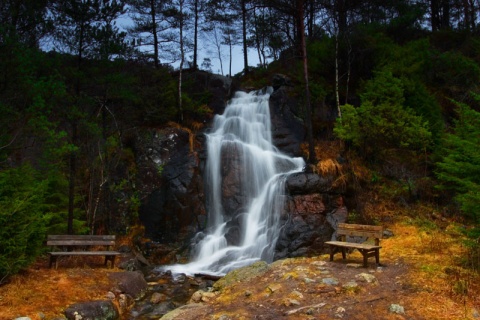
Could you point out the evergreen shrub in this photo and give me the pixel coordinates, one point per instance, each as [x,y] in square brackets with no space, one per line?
[23,219]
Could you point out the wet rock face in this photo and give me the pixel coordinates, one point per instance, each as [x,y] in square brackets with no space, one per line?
[288,131]
[313,210]
[170,180]
[233,189]
[306,183]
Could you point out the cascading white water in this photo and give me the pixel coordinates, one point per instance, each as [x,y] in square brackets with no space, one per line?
[244,128]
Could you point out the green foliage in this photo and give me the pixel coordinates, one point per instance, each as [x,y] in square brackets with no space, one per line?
[455,72]
[23,217]
[411,63]
[382,122]
[459,167]
[56,201]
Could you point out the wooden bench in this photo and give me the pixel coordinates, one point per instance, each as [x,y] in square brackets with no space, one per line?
[358,230]
[77,245]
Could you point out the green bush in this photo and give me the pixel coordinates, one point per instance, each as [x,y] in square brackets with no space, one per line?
[383,122]
[459,167]
[23,219]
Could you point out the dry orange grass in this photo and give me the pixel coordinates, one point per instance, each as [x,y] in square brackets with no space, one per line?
[434,271]
[41,290]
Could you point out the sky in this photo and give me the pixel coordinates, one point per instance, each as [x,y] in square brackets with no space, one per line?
[206,50]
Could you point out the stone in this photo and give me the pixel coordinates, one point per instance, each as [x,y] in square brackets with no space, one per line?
[308,280]
[207,296]
[350,285]
[130,282]
[197,296]
[274,287]
[290,302]
[396,308]
[296,294]
[157,297]
[110,295]
[387,233]
[161,309]
[93,310]
[330,281]
[125,301]
[307,183]
[366,277]
[200,311]
[340,312]
[475,313]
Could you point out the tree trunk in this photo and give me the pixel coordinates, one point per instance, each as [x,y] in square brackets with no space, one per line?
[155,35]
[308,107]
[182,59]
[244,34]
[71,180]
[195,36]
[337,80]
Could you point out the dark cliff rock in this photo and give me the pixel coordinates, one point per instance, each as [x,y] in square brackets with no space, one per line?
[288,131]
[305,183]
[171,183]
[309,220]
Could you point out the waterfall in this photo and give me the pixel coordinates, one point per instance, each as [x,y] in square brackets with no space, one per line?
[235,239]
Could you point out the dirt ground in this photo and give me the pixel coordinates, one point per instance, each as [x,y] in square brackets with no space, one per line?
[420,274]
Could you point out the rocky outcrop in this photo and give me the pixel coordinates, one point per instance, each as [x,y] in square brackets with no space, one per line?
[172,184]
[93,310]
[288,131]
[312,211]
[130,282]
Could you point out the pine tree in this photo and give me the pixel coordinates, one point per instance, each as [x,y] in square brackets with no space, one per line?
[459,168]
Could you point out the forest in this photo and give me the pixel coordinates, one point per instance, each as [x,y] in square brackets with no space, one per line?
[395,82]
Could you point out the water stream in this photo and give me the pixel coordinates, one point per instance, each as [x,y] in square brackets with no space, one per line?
[244,131]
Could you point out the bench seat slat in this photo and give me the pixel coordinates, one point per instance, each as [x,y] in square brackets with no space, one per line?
[353,245]
[80,243]
[353,226]
[80,237]
[360,230]
[360,233]
[84,253]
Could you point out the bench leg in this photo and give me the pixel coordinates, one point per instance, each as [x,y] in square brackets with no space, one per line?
[112,261]
[53,260]
[365,258]
[344,253]
[377,256]
[332,252]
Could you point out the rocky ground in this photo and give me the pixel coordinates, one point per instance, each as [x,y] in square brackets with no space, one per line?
[312,288]
[420,278]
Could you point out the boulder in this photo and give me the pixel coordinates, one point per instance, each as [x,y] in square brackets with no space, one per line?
[307,183]
[92,310]
[130,282]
